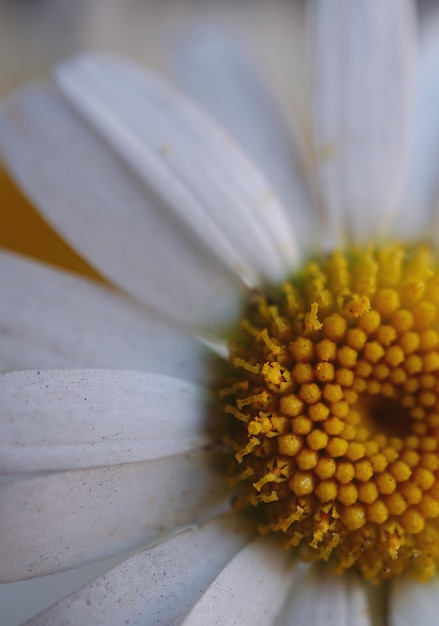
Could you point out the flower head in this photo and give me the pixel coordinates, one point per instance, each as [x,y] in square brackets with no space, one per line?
[332,386]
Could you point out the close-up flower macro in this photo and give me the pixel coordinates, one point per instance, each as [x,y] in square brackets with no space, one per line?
[230,405]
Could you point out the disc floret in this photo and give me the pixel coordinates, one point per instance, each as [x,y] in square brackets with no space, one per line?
[333,401]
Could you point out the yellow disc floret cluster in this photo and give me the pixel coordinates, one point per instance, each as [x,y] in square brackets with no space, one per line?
[333,400]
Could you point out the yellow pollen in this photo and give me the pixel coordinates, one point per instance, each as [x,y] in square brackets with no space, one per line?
[331,405]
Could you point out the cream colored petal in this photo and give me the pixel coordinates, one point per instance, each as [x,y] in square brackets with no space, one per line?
[101,206]
[186,160]
[412,603]
[52,522]
[76,419]
[363,61]
[49,318]
[155,587]
[250,590]
[213,68]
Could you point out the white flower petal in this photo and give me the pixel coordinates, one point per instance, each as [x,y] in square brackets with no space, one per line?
[362,88]
[413,603]
[49,319]
[322,598]
[250,589]
[72,419]
[18,352]
[154,587]
[187,160]
[103,208]
[56,521]
[22,600]
[214,70]
[422,193]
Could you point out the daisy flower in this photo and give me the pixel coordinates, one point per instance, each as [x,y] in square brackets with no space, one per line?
[321,306]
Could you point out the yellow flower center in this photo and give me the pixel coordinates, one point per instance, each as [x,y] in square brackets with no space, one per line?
[333,400]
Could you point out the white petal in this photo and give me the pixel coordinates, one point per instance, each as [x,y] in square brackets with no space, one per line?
[72,419]
[22,600]
[18,352]
[187,160]
[49,318]
[103,208]
[413,603]
[214,70]
[250,590]
[422,194]
[154,587]
[56,521]
[362,89]
[322,598]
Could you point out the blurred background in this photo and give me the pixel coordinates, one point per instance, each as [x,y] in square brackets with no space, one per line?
[35,34]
